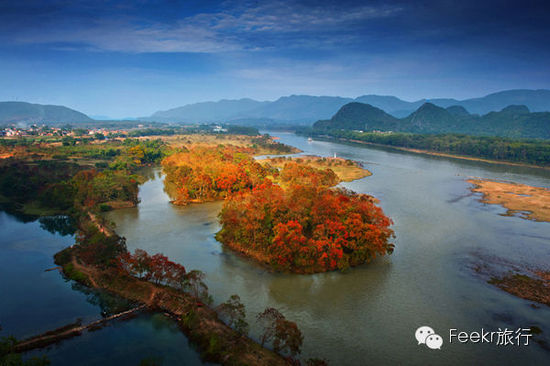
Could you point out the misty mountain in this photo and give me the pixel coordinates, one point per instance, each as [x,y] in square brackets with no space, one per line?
[291,109]
[294,109]
[305,109]
[535,100]
[208,111]
[300,108]
[22,112]
[512,121]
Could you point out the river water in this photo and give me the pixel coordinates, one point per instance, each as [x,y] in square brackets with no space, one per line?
[370,314]
[33,301]
[365,316]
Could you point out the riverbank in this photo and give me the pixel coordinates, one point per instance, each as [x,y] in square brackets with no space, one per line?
[433,153]
[216,341]
[87,263]
[529,202]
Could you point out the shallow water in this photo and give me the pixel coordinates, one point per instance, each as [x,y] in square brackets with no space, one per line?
[369,314]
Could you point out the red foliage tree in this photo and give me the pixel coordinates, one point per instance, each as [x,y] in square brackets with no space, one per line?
[305,229]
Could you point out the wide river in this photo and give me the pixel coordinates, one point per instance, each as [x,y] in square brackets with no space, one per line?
[367,315]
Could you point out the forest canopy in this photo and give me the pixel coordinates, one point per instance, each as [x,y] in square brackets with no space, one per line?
[305,228]
[286,215]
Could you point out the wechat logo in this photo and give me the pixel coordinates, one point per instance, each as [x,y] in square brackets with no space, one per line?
[426,335]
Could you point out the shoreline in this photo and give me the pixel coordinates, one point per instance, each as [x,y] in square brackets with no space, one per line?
[433,153]
[198,321]
[524,201]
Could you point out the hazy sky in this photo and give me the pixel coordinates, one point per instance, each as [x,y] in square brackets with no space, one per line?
[132,58]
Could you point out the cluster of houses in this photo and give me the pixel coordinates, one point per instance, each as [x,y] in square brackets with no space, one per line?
[34,130]
[43,130]
[376,131]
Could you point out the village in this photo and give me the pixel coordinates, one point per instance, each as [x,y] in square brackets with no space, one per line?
[44,130]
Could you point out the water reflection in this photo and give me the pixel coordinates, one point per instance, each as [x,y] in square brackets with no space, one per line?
[62,225]
[108,303]
[33,301]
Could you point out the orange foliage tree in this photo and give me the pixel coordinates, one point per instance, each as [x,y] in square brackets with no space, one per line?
[305,228]
[296,173]
[205,173]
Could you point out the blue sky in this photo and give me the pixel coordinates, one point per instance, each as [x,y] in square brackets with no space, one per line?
[132,58]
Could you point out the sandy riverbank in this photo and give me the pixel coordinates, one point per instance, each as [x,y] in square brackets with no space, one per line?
[529,202]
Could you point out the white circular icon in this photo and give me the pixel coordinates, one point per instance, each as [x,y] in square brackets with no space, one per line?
[434,341]
[422,333]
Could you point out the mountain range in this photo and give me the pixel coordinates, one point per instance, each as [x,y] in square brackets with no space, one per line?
[305,109]
[27,113]
[288,110]
[514,121]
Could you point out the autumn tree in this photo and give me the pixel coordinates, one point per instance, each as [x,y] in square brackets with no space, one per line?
[200,173]
[305,228]
[294,173]
[156,268]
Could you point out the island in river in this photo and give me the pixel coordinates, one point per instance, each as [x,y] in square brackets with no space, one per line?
[530,202]
[283,213]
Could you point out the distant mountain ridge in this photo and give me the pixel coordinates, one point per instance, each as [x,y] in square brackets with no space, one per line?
[514,121]
[295,109]
[22,112]
[305,109]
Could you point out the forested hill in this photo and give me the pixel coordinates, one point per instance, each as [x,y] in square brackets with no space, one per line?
[22,112]
[515,121]
[306,109]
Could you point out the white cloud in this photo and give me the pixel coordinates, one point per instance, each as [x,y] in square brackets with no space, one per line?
[231,28]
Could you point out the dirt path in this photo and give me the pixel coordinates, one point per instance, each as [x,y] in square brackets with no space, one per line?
[102,228]
[88,271]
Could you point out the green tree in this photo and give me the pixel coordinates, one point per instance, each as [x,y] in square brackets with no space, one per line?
[9,358]
[233,310]
[286,336]
[193,283]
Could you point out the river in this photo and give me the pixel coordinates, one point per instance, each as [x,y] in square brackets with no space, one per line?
[33,301]
[369,314]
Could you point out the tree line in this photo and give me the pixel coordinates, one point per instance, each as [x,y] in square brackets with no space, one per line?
[530,151]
